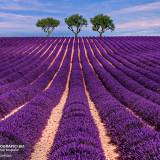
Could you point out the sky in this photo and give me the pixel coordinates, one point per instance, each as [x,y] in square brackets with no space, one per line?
[131,17]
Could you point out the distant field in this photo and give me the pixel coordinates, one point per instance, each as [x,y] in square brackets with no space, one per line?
[80,99]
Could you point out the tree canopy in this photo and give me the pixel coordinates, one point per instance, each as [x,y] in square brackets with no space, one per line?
[102,23]
[48,25]
[75,23]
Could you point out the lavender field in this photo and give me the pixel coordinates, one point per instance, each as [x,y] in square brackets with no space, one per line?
[80,98]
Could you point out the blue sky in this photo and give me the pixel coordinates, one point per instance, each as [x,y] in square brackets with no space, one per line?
[131,17]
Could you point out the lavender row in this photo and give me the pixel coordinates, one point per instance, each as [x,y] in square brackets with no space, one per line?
[26,62]
[148,110]
[132,137]
[139,77]
[25,127]
[126,81]
[11,67]
[32,75]
[18,97]
[21,70]
[131,49]
[10,54]
[146,64]
[77,136]
[22,55]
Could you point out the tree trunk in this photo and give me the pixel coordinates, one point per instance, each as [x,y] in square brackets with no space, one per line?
[49,34]
[101,34]
[76,35]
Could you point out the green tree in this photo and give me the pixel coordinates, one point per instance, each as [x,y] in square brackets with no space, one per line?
[102,23]
[48,25]
[75,23]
